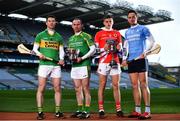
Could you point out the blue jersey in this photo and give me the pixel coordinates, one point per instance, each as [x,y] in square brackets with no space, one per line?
[136,38]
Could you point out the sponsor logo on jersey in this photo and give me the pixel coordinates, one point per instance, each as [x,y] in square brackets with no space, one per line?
[49,44]
[76,44]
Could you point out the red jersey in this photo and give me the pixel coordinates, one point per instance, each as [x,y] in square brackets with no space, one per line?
[100,40]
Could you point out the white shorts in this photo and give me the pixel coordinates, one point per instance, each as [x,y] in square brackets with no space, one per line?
[80,72]
[49,70]
[105,69]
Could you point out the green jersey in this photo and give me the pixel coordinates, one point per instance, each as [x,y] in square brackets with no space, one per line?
[81,42]
[49,46]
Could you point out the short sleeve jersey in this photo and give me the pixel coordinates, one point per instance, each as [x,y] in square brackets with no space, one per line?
[49,46]
[81,42]
[136,36]
[101,37]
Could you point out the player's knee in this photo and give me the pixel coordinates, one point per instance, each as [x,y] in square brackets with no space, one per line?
[40,91]
[115,86]
[144,86]
[78,89]
[102,83]
[86,88]
[135,86]
[41,88]
[57,88]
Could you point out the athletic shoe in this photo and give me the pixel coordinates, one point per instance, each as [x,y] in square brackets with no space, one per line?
[77,114]
[119,113]
[134,114]
[59,114]
[144,116]
[40,116]
[84,115]
[101,114]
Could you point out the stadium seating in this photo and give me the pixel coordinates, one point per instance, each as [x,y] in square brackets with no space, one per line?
[25,31]
[16,78]
[13,82]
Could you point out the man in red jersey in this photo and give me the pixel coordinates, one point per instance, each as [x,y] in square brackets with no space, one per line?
[104,67]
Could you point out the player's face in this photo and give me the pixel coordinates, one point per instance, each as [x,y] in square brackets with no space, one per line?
[132,18]
[108,23]
[51,23]
[77,26]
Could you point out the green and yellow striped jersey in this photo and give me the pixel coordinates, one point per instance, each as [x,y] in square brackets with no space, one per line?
[49,46]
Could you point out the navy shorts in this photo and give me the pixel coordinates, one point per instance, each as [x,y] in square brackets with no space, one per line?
[140,65]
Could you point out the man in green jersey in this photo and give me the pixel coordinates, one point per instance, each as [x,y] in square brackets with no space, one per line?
[49,43]
[80,72]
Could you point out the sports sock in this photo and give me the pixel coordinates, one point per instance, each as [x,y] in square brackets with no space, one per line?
[101,107]
[57,109]
[118,106]
[40,109]
[80,108]
[87,108]
[138,108]
[147,109]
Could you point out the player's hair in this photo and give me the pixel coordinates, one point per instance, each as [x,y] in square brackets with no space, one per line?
[132,11]
[107,16]
[78,19]
[50,16]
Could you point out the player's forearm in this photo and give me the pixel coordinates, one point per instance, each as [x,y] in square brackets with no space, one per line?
[61,52]
[35,49]
[90,52]
[120,47]
[99,49]
[125,50]
[151,41]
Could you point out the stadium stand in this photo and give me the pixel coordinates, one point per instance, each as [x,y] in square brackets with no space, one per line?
[94,80]
[159,72]
[21,78]
[24,31]
[13,82]
[14,31]
[3,87]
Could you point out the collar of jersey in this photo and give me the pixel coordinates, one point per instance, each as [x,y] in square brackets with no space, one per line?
[46,30]
[78,33]
[135,26]
[103,28]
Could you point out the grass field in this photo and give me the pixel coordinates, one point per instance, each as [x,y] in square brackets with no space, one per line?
[162,101]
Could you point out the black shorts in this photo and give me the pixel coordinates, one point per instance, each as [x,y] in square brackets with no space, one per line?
[140,65]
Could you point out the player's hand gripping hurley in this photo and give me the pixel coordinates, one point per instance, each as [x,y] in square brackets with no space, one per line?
[22,49]
[155,50]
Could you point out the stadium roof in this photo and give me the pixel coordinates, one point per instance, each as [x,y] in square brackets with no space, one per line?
[90,11]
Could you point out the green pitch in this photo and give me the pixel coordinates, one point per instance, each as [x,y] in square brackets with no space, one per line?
[162,101]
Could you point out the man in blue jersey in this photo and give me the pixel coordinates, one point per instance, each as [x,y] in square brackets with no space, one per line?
[138,40]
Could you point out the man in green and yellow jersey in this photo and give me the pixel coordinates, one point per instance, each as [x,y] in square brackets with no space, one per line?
[80,72]
[49,43]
